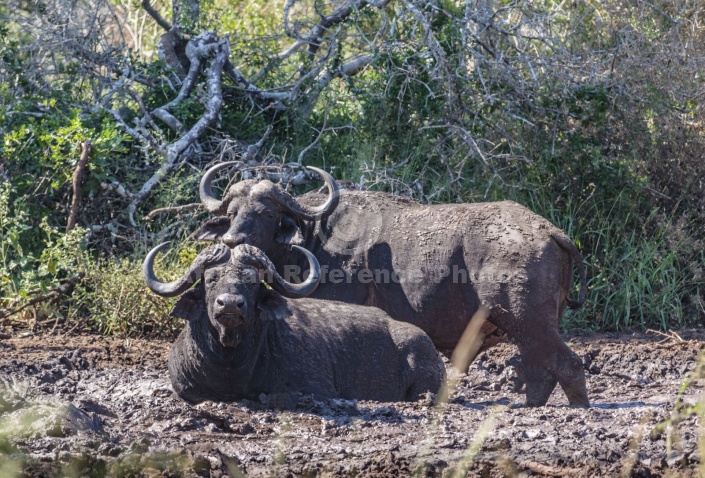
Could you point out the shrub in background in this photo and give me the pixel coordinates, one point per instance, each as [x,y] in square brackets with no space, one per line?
[589,114]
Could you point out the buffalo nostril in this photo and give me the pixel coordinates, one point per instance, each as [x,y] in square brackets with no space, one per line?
[230,303]
[232,240]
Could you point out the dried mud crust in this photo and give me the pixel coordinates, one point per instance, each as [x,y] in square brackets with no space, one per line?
[104,406]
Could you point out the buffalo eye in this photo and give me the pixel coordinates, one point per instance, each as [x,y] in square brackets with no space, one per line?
[265,211]
[219,223]
[213,229]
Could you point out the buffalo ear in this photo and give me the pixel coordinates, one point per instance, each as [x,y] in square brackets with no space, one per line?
[271,305]
[189,306]
[213,229]
[289,231]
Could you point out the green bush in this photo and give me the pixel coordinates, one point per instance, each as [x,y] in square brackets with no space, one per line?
[24,274]
[116,301]
[591,115]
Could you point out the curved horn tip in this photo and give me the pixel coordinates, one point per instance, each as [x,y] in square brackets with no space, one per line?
[154,284]
[186,281]
[323,174]
[219,166]
[316,170]
[309,255]
[209,201]
[326,209]
[311,283]
[161,246]
[155,250]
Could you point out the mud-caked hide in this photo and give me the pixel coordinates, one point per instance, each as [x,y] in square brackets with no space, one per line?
[431,265]
[243,339]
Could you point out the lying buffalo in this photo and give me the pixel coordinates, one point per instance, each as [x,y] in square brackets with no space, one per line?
[432,266]
[243,339]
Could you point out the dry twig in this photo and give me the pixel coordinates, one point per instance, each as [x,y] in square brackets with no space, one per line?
[174,209]
[86,149]
[671,335]
[50,295]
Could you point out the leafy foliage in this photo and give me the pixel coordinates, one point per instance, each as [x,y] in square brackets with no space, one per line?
[588,113]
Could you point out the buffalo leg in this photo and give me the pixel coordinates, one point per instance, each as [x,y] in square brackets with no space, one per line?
[429,378]
[571,376]
[546,359]
[539,384]
[551,361]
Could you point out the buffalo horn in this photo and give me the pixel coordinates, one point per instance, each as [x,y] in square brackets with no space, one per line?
[254,257]
[205,190]
[304,212]
[213,204]
[212,255]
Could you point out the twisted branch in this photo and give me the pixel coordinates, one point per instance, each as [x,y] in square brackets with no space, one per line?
[155,14]
[86,149]
[200,48]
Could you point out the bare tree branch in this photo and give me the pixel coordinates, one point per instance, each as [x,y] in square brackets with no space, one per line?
[174,209]
[118,188]
[86,149]
[350,68]
[253,149]
[315,141]
[315,35]
[169,119]
[339,15]
[155,14]
[239,78]
[201,48]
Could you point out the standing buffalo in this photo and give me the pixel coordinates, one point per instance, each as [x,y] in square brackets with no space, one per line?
[432,266]
[243,339]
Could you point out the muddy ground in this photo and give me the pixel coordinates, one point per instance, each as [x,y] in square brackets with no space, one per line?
[91,406]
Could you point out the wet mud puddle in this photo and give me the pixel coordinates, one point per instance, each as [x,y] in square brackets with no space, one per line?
[92,406]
